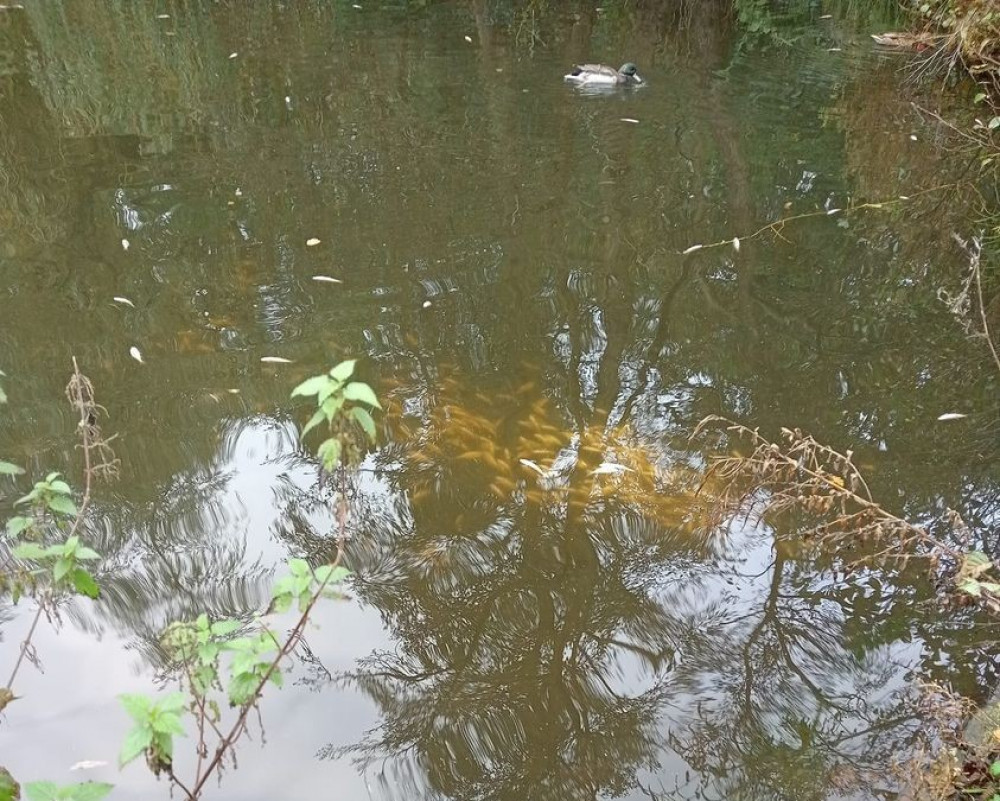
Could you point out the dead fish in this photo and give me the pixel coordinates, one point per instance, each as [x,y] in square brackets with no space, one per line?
[691,249]
[327,279]
[952,416]
[123,301]
[609,468]
[311,243]
[275,360]
[135,354]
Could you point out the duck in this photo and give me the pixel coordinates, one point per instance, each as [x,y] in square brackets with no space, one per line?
[601,75]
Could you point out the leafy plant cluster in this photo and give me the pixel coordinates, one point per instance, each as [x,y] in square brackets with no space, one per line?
[221,667]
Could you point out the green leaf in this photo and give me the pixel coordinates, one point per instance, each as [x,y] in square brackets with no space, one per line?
[223,628]
[60,487]
[971,586]
[167,723]
[9,789]
[977,559]
[995,768]
[241,688]
[91,791]
[30,550]
[361,393]
[979,98]
[138,706]
[281,603]
[87,554]
[332,405]
[84,583]
[62,505]
[299,567]
[331,575]
[61,568]
[16,525]
[312,386]
[329,454]
[136,742]
[165,744]
[8,469]
[365,420]
[994,124]
[318,417]
[344,370]
[175,702]
[42,791]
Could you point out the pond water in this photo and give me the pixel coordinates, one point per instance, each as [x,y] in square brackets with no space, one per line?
[508,262]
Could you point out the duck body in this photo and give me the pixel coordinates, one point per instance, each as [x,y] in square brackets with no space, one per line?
[602,75]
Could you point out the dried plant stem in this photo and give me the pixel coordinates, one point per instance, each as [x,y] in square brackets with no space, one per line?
[982,314]
[81,396]
[776,226]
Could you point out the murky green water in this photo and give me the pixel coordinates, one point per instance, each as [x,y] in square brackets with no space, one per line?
[508,253]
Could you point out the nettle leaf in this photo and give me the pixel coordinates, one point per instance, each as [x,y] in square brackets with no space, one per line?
[223,628]
[331,406]
[17,525]
[41,791]
[90,791]
[30,550]
[175,702]
[9,469]
[60,487]
[972,587]
[314,421]
[136,742]
[344,370]
[138,706]
[87,554]
[299,567]
[242,688]
[281,603]
[312,386]
[168,723]
[63,505]
[329,454]
[61,568]
[361,393]
[85,584]
[331,575]
[365,420]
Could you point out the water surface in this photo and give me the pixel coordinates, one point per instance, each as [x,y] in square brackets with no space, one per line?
[509,253]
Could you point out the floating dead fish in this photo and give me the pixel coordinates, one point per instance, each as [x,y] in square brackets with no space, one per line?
[233,55]
[311,243]
[468,39]
[163,16]
[630,119]
[135,354]
[426,304]
[692,249]
[233,391]
[832,211]
[534,466]
[123,301]
[952,416]
[125,244]
[87,764]
[275,360]
[327,279]
[609,468]
[736,244]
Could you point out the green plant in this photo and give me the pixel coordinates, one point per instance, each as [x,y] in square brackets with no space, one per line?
[209,660]
[85,791]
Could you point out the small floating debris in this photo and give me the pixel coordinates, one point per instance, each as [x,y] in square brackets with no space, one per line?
[736,244]
[952,416]
[233,55]
[125,244]
[356,5]
[327,279]
[913,137]
[468,39]
[275,360]
[123,301]
[630,119]
[233,391]
[692,249]
[311,243]
[163,16]
[238,192]
[904,197]
[135,353]
[827,16]
[426,304]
